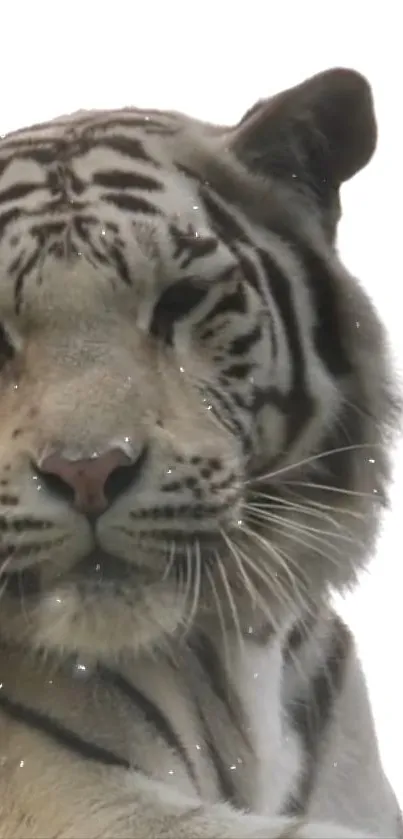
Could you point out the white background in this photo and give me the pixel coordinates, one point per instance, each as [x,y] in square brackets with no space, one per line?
[213,59]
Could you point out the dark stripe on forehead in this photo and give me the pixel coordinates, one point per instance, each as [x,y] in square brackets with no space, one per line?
[123,179]
[19,190]
[125,146]
[222,220]
[131,203]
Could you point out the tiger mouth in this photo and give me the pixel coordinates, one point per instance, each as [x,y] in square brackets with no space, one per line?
[101,569]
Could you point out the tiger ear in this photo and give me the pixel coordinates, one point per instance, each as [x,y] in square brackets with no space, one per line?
[321,132]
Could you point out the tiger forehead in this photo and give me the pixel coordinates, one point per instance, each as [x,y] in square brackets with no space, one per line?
[74,194]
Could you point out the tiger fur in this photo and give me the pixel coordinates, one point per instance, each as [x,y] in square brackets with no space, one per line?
[196,408]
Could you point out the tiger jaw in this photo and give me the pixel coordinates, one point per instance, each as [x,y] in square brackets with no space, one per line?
[144,599]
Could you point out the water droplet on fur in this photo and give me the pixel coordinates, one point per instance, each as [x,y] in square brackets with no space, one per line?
[335,764]
[207,404]
[22,763]
[171,772]
[357,323]
[198,747]
[256,675]
[169,471]
[196,207]
[232,767]
[375,491]
[371,460]
[181,369]
[240,523]
[103,232]
[15,387]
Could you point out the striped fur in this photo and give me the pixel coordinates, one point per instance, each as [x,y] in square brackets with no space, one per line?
[170,665]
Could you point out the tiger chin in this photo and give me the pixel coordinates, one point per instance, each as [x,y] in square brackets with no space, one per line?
[197,405]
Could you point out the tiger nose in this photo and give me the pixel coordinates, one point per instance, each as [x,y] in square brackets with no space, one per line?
[90,484]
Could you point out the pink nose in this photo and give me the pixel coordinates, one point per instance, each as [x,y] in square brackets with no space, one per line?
[85,478]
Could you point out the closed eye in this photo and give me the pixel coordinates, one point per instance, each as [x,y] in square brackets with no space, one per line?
[175,303]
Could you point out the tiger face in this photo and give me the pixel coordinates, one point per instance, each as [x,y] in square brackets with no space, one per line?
[170,365]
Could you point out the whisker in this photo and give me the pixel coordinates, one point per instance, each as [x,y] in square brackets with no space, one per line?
[311,507]
[334,489]
[171,560]
[196,586]
[230,598]
[221,619]
[268,516]
[272,551]
[253,592]
[311,459]
[314,544]
[295,537]
[263,509]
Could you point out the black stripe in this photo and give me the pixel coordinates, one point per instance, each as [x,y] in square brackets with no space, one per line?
[246,341]
[153,715]
[223,409]
[227,788]
[8,218]
[237,371]
[324,288]
[120,179]
[61,735]
[127,147]
[299,633]
[233,301]
[222,220]
[249,270]
[13,193]
[131,203]
[311,712]
[189,245]
[20,279]
[297,404]
[23,584]
[121,264]
[175,303]
[214,671]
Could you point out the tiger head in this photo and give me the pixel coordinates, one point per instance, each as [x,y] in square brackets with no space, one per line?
[194,393]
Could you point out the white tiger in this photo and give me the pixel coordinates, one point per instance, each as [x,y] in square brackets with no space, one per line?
[195,404]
